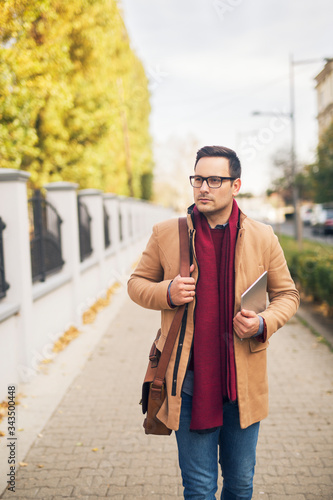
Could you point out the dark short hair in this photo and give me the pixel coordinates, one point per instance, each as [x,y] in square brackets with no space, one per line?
[234,163]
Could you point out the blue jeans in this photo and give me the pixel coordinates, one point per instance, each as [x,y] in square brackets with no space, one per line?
[198,456]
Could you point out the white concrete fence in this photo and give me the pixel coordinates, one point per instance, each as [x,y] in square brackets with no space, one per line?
[32,313]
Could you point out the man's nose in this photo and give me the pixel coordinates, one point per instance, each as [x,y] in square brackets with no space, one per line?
[204,186]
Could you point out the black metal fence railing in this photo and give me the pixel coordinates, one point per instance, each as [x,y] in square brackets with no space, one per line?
[121,235]
[84,230]
[3,283]
[107,237]
[45,238]
[130,225]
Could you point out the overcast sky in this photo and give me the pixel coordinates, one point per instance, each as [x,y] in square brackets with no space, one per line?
[211,63]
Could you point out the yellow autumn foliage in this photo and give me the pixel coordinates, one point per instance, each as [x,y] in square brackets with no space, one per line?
[74,100]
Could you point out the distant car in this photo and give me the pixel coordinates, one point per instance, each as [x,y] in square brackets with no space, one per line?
[306,217]
[324,224]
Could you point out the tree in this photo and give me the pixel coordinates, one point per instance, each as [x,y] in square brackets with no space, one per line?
[175,158]
[321,172]
[284,184]
[61,114]
[146,186]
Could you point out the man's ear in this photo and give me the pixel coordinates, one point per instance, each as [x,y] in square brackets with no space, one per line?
[236,187]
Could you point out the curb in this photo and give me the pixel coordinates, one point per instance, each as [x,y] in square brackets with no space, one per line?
[316,323]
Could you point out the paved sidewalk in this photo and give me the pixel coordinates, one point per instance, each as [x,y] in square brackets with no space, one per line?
[93,446]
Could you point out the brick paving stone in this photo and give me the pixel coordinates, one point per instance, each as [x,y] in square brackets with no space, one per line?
[274,496]
[47,493]
[94,446]
[52,482]
[23,493]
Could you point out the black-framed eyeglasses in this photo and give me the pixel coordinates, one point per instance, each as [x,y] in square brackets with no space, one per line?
[213,181]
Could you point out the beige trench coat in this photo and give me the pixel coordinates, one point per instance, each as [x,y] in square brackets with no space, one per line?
[257,250]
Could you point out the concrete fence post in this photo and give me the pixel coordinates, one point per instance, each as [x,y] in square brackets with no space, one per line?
[63,197]
[14,212]
[94,201]
[111,204]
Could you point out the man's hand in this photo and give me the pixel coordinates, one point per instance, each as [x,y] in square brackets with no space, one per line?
[246,324]
[182,289]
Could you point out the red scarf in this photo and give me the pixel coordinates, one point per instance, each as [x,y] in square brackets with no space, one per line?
[213,348]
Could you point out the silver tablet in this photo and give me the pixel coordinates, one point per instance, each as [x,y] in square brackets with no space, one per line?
[255,297]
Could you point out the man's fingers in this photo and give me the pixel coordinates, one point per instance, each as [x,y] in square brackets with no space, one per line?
[247,313]
[240,319]
[182,290]
[189,282]
[246,323]
[188,291]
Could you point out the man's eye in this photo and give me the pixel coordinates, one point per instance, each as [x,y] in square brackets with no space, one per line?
[214,180]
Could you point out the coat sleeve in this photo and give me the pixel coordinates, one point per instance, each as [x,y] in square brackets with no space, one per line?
[146,285]
[283,296]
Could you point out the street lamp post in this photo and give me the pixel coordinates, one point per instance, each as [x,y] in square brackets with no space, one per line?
[298,229]
[297,224]
[296,202]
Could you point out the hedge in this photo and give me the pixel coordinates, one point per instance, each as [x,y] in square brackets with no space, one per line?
[311,268]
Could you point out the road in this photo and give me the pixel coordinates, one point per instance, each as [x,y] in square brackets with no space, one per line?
[288,229]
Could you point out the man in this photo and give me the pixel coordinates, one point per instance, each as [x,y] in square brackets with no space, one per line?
[217,390]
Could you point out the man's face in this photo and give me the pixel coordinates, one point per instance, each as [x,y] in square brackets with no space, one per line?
[215,204]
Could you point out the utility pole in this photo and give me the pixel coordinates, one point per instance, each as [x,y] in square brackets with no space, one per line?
[296,201]
[298,228]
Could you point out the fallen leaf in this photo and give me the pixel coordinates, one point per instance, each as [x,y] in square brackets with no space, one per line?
[90,314]
[94,449]
[23,464]
[65,339]
[40,466]
[2,434]
[4,407]
[46,361]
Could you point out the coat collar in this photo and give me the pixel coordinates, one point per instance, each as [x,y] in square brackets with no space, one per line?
[190,220]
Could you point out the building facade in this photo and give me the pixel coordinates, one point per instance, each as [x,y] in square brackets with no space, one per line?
[324,89]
